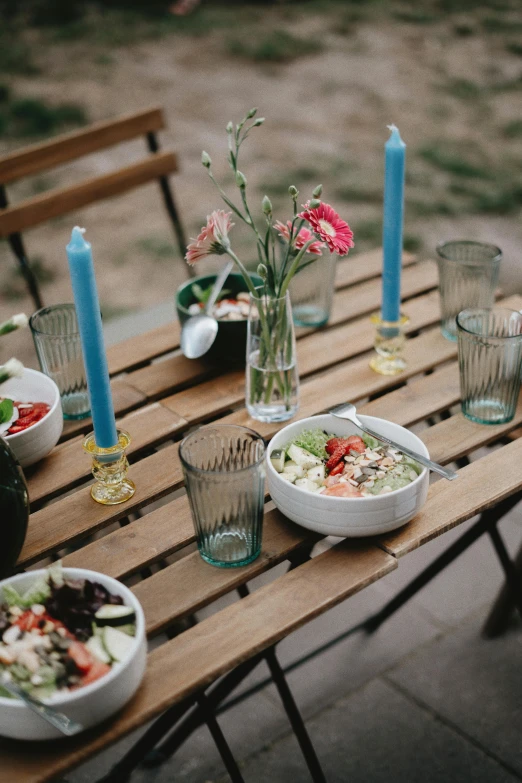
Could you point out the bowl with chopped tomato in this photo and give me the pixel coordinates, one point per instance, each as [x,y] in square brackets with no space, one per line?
[327,476]
[31,419]
[72,638]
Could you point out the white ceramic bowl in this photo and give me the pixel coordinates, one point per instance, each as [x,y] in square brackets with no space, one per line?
[36,441]
[347,517]
[95,702]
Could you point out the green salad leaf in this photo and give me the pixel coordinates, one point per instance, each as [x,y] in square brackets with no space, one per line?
[314,441]
[38,592]
[203,294]
[370,442]
[6,410]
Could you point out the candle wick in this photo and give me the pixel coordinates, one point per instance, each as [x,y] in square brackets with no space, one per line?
[83,230]
[392,127]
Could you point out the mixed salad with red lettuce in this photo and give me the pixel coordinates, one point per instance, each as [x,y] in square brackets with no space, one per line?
[61,634]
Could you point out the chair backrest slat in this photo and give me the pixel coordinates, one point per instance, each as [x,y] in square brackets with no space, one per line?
[60,201]
[40,157]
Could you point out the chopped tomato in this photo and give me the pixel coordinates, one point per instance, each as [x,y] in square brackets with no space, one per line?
[28,620]
[81,656]
[28,416]
[97,670]
[343,490]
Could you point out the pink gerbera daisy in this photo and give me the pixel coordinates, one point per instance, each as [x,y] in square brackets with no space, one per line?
[213,238]
[303,236]
[327,224]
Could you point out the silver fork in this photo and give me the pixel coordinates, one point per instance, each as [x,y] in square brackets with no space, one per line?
[57,719]
[349,412]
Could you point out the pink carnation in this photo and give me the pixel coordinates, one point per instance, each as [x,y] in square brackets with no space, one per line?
[303,236]
[213,238]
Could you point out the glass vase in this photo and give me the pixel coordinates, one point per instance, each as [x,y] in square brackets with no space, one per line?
[272,382]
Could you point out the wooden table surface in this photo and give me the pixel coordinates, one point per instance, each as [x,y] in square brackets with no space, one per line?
[158,396]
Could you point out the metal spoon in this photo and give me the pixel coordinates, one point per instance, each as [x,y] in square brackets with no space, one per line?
[200,331]
[52,716]
[349,411]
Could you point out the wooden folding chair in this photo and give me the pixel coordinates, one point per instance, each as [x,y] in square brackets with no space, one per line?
[14,219]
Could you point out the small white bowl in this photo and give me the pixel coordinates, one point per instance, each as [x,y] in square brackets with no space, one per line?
[36,441]
[93,703]
[347,517]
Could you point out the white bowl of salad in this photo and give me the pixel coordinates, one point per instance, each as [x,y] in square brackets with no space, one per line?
[327,476]
[75,639]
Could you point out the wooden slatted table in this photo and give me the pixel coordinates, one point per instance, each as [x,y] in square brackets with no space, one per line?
[158,396]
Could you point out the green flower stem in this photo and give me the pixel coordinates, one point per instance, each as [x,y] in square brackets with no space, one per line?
[275,376]
[293,269]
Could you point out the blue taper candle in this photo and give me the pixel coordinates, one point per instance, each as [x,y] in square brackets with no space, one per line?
[394,159]
[83,281]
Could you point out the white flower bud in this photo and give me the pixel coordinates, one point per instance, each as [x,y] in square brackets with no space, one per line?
[206,159]
[20,320]
[258,122]
[11,369]
[230,127]
[252,113]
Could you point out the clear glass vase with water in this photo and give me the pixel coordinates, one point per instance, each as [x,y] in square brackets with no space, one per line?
[272,382]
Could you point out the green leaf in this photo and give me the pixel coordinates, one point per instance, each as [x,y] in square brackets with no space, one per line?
[6,410]
[203,294]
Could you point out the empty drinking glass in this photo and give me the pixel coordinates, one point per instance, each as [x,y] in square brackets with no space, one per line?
[58,346]
[468,274]
[490,360]
[224,469]
[311,291]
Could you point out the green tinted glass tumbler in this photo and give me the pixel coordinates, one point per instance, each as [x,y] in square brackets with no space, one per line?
[490,362]
[468,275]
[58,346]
[224,469]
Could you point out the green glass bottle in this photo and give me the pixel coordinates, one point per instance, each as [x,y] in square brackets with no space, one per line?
[14,509]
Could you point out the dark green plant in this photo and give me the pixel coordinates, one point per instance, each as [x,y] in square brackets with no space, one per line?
[276,47]
[513,130]
[452,161]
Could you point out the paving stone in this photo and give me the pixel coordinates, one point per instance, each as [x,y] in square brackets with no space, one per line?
[475,683]
[467,585]
[356,659]
[378,736]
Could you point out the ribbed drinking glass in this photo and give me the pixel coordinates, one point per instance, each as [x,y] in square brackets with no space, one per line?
[58,346]
[468,275]
[224,469]
[311,291]
[490,361]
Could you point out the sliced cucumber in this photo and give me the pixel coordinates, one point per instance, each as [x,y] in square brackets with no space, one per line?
[302,457]
[129,629]
[114,614]
[277,458]
[116,643]
[95,646]
[290,477]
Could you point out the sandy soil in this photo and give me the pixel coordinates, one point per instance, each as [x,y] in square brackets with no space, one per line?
[326,121]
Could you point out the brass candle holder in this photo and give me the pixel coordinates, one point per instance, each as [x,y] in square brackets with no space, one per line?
[109,468]
[389,345]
